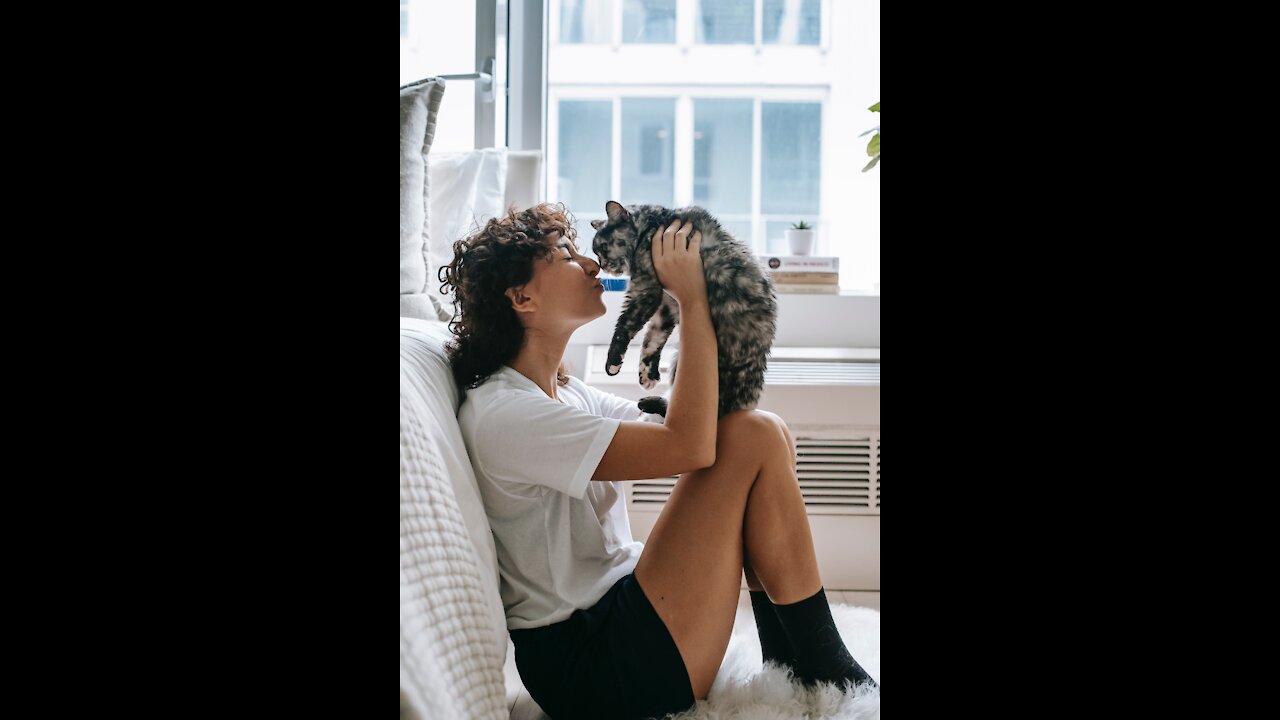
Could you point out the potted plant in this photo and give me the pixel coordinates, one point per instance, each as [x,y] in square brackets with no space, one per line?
[800,238]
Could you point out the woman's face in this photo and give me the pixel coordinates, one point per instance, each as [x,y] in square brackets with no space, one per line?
[565,286]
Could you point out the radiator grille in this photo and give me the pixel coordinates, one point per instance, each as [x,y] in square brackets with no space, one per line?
[838,476]
[817,372]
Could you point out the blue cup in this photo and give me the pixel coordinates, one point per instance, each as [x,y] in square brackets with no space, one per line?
[618,283]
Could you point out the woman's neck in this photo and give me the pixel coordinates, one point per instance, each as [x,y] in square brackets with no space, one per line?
[540,359]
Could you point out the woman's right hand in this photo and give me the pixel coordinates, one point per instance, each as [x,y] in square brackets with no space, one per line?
[677,259]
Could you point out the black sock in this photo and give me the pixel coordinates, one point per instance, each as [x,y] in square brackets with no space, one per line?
[820,653]
[774,645]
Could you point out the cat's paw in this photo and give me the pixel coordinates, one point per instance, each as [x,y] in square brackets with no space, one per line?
[653,405]
[649,375]
[613,365]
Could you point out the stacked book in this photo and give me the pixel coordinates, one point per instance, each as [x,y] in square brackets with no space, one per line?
[803,273]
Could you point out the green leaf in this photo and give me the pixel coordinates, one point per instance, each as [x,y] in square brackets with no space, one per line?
[873,147]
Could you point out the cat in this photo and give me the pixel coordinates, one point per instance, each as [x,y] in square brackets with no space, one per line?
[744,308]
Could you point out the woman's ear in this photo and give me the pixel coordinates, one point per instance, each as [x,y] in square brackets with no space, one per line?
[519,301]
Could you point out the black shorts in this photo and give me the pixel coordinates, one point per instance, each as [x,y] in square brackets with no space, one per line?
[615,659]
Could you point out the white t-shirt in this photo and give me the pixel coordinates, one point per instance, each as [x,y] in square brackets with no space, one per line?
[562,540]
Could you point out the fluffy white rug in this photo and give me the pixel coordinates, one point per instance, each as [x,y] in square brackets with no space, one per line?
[745,690]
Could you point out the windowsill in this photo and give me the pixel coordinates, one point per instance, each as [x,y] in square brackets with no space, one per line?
[849,318]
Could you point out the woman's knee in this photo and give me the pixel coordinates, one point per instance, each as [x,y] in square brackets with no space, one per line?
[745,431]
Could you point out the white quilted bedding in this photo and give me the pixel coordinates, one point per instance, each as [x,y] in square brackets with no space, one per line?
[452,628]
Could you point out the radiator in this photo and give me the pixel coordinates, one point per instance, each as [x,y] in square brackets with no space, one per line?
[830,399]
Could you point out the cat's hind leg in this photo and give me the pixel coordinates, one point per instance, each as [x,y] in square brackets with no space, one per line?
[640,305]
[657,404]
[664,321]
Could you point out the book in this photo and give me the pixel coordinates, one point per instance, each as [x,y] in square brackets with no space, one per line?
[800,263]
[820,278]
[805,288]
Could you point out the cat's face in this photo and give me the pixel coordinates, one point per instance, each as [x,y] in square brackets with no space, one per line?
[615,240]
[612,246]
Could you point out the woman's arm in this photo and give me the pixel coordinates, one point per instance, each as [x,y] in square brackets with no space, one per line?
[688,439]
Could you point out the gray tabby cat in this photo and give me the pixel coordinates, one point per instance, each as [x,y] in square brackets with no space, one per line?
[743,307]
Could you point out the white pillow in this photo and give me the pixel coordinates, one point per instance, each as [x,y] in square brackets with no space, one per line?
[467,190]
[419,104]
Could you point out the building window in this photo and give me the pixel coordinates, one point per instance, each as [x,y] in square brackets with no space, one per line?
[664,102]
[792,22]
[722,159]
[585,157]
[648,21]
[726,22]
[790,166]
[715,22]
[586,21]
[648,149]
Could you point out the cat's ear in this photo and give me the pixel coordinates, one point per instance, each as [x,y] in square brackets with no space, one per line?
[597,224]
[616,212]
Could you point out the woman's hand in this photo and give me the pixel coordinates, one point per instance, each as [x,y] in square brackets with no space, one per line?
[677,259]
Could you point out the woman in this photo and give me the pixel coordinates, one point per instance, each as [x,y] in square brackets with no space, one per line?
[604,626]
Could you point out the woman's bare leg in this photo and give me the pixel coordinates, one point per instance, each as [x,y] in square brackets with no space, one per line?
[776,533]
[692,566]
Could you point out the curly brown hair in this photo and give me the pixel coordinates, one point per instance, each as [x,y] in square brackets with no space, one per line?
[485,264]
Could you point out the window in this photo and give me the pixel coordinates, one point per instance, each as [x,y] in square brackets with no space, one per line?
[717,22]
[726,22]
[791,22]
[753,109]
[436,47]
[586,21]
[648,21]
[749,108]
[648,150]
[790,167]
[585,156]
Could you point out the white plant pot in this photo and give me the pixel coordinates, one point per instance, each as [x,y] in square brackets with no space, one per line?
[800,241]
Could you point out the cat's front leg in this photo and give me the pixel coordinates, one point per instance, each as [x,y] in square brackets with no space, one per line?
[654,405]
[656,339]
[642,301]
